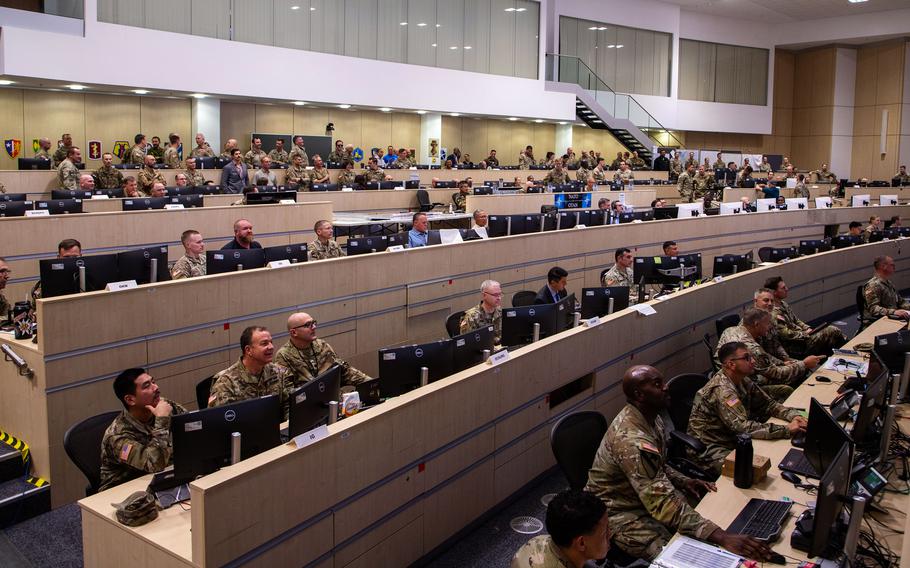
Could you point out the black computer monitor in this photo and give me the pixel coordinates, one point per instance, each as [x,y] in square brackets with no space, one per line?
[872,404]
[567,219]
[219,261]
[482,190]
[325,187]
[269,197]
[813,246]
[60,206]
[667,269]
[876,236]
[60,276]
[497,225]
[12,197]
[518,322]
[187,200]
[308,406]
[206,163]
[447,185]
[824,438]
[844,241]
[832,494]
[202,439]
[596,301]
[137,265]
[401,239]
[363,245]
[778,254]
[71,194]
[892,349]
[144,203]
[468,348]
[15,208]
[295,253]
[597,218]
[434,237]
[399,367]
[34,164]
[728,264]
[661,213]
[524,224]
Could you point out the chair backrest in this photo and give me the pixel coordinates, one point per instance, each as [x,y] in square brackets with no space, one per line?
[453,323]
[82,443]
[707,341]
[523,298]
[423,199]
[861,306]
[723,323]
[682,389]
[764,253]
[203,389]
[574,441]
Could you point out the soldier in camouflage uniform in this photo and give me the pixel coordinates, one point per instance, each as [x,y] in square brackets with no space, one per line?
[44,150]
[5,273]
[149,176]
[526,158]
[875,224]
[254,375]
[319,173]
[229,147]
[297,176]
[623,175]
[583,172]
[763,299]
[570,160]
[635,162]
[690,161]
[107,176]
[373,173]
[599,173]
[156,150]
[686,185]
[298,149]
[614,165]
[203,149]
[731,404]
[306,357]
[646,499]
[621,274]
[460,198]
[704,184]
[138,441]
[347,176]
[487,312]
[194,177]
[324,246]
[192,263]
[136,154]
[279,155]
[579,531]
[405,159]
[901,177]
[793,332]
[556,176]
[171,156]
[676,169]
[719,162]
[822,175]
[62,151]
[67,172]
[255,155]
[338,154]
[881,297]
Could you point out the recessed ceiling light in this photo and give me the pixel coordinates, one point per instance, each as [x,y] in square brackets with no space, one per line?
[611,46]
[455,114]
[422,25]
[140,91]
[512,119]
[421,112]
[520,9]
[453,47]
[6,82]
[602,28]
[299,103]
[538,121]
[438,25]
[856,1]
[509,10]
[385,109]
[467,47]
[562,123]
[619,46]
[432,45]
[312,9]
[592,28]
[344,106]
[403,24]
[295,7]
[75,87]
[198,95]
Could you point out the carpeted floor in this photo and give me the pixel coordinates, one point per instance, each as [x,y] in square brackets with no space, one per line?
[50,540]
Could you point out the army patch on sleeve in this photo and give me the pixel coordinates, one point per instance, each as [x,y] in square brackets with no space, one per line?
[649,447]
[125,451]
[649,460]
[732,402]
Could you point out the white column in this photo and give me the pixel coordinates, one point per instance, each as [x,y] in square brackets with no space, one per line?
[563,138]
[904,147]
[207,120]
[842,121]
[430,129]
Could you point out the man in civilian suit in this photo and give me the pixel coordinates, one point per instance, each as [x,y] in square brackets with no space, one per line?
[234,175]
[555,290]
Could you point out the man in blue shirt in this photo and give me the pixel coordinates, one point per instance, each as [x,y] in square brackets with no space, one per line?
[390,156]
[417,236]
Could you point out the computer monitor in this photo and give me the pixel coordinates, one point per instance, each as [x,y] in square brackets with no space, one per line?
[524,224]
[824,438]
[71,194]
[202,439]
[813,247]
[206,163]
[15,208]
[187,200]
[481,190]
[595,302]
[873,402]
[448,185]
[468,348]
[887,200]
[401,239]
[766,204]
[60,276]
[363,245]
[568,219]
[641,215]
[12,197]
[667,269]
[34,164]
[687,210]
[269,197]
[796,203]
[137,265]
[876,236]
[892,349]
[220,261]
[844,241]
[308,406]
[596,218]
[661,213]
[295,253]
[826,536]
[518,322]
[144,203]
[325,187]
[728,264]
[861,200]
[498,225]
[779,253]
[60,206]
[399,367]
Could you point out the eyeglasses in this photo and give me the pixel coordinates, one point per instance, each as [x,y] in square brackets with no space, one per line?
[310,324]
[746,357]
[5,271]
[499,295]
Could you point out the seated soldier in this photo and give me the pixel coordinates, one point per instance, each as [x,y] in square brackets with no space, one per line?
[793,332]
[305,356]
[324,246]
[488,312]
[881,296]
[460,199]
[621,273]
[192,263]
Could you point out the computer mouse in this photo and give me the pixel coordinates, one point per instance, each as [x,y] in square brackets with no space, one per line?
[822,379]
[798,441]
[791,477]
[776,558]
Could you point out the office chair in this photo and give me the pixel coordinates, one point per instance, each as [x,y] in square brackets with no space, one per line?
[423,199]
[82,443]
[707,341]
[203,390]
[453,323]
[764,254]
[682,390]
[723,323]
[861,309]
[523,298]
[574,440]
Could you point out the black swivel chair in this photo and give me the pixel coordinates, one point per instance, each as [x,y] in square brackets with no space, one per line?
[453,323]
[682,390]
[723,323]
[764,254]
[523,298]
[203,390]
[423,199]
[707,341]
[574,441]
[82,443]
[861,309]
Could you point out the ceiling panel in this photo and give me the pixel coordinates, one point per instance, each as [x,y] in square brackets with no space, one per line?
[787,10]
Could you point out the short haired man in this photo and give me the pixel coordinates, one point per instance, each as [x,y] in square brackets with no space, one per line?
[192,263]
[253,158]
[492,160]
[732,404]
[299,150]
[137,152]
[5,273]
[417,236]
[620,274]
[229,148]
[670,248]
[156,150]
[107,176]
[44,150]
[264,175]
[373,173]
[578,532]
[881,296]
[555,288]
[171,156]
[130,187]
[875,224]
[305,356]
[234,174]
[297,176]
[324,246]
[180,180]
[855,229]
[158,190]
[148,176]
[488,312]
[556,176]
[203,149]
[901,177]
[194,177]
[319,174]
[138,441]
[338,154]
[254,374]
[460,198]
[647,500]
[67,171]
[86,182]
[793,332]
[243,236]
[279,155]
[63,150]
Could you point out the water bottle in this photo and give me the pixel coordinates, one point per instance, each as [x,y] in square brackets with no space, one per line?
[22,321]
[742,468]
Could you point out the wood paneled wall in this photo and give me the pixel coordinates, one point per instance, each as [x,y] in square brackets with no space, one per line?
[879,87]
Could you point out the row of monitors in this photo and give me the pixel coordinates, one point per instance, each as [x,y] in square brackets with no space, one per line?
[62,206]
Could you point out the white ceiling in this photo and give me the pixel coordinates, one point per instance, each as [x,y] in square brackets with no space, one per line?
[770,11]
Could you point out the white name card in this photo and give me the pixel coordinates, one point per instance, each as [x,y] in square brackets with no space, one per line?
[279,263]
[500,357]
[347,189]
[37,213]
[591,322]
[122,285]
[402,188]
[395,248]
[580,227]
[314,435]
[101,196]
[173,206]
[644,309]
[286,201]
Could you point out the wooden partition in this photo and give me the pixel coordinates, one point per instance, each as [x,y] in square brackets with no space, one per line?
[389,485]
[902,193]
[532,202]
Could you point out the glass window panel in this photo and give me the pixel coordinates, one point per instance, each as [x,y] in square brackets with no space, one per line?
[759,80]
[253,21]
[291,17]
[450,18]
[568,35]
[422,33]
[527,42]
[725,74]
[326,26]
[688,70]
[65,8]
[124,12]
[211,18]
[606,55]
[706,75]
[502,42]
[643,58]
[662,61]
[393,22]
[168,15]
[477,24]
[625,60]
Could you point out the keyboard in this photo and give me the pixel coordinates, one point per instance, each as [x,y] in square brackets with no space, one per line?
[795,462]
[761,518]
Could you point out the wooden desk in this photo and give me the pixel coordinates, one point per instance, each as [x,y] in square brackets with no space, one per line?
[902,194]
[519,203]
[392,483]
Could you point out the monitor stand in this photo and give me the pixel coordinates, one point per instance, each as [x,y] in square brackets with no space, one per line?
[843,538]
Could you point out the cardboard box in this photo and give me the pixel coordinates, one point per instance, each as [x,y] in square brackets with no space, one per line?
[760,466]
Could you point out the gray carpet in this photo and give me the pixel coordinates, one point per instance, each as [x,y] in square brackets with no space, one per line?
[53,539]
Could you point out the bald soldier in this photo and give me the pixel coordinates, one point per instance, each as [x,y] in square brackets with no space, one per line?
[307,356]
[149,176]
[647,500]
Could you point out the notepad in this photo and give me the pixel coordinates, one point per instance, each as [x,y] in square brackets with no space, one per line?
[685,552]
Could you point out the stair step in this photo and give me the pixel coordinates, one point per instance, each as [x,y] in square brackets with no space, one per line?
[22,499]
[11,463]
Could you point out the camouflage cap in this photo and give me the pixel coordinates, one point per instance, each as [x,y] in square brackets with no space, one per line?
[137,509]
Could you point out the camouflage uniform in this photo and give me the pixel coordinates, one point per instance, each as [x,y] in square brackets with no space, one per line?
[405,163]
[620,276]
[157,152]
[460,200]
[254,157]
[204,152]
[147,178]
[614,165]
[298,150]
[722,410]
[477,317]
[236,384]
[4,307]
[60,155]
[42,154]
[704,183]
[556,178]
[903,179]
[131,449]
[297,176]
[108,177]
[136,155]
[882,299]
[687,187]
[318,251]
[306,364]
[540,552]
[194,178]
[172,158]
[188,267]
[525,162]
[346,178]
[636,163]
[690,162]
[337,156]
[764,167]
[801,190]
[374,175]
[599,175]
[492,161]
[631,476]
[718,165]
[771,373]
[676,169]
[581,174]
[319,174]
[867,232]
[792,333]
[279,157]
[624,177]
[68,175]
[824,176]
[571,161]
